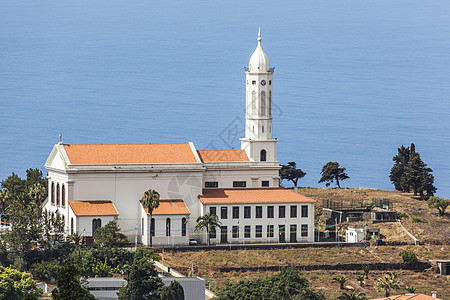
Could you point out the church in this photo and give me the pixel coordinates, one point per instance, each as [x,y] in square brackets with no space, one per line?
[92,184]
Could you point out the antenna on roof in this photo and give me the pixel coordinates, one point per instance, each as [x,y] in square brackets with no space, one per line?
[60,139]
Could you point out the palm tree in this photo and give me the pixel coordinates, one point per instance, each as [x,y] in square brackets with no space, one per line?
[411,289]
[353,296]
[387,283]
[37,192]
[75,238]
[209,222]
[360,278]
[366,270]
[341,280]
[150,201]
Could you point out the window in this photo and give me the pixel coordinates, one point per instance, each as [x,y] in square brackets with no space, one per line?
[253,82]
[259,212]
[270,103]
[247,231]
[304,229]
[263,104]
[258,231]
[211,184]
[239,183]
[247,212]
[152,227]
[263,129]
[224,212]
[63,195]
[235,212]
[96,223]
[71,225]
[57,195]
[212,233]
[270,82]
[263,155]
[213,210]
[270,212]
[183,227]
[235,232]
[265,183]
[282,211]
[64,220]
[168,227]
[293,211]
[304,211]
[53,193]
[293,233]
[270,231]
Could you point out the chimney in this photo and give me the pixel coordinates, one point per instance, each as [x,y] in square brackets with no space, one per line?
[434,294]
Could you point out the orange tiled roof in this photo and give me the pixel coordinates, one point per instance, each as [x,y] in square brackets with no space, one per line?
[93,208]
[222,155]
[409,297]
[98,154]
[257,195]
[170,207]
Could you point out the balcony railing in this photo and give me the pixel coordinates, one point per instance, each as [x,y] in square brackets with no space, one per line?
[270,69]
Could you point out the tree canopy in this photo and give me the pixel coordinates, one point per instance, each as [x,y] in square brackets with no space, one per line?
[387,283]
[70,285]
[110,236]
[174,291]
[287,284]
[410,173]
[142,278]
[332,172]
[17,285]
[291,173]
[440,204]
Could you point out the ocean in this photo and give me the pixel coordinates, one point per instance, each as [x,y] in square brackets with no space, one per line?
[353,80]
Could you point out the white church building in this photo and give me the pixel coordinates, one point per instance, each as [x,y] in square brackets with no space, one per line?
[92,184]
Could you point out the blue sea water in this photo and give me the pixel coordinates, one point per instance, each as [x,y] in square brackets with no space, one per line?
[354,80]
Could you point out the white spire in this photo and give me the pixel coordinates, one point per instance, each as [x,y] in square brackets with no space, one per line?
[259,62]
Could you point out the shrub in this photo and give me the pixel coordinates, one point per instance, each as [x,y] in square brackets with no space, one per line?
[46,270]
[418,220]
[408,257]
[402,215]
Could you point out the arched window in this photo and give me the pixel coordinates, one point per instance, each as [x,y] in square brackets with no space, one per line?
[71,225]
[152,227]
[263,155]
[168,227]
[63,195]
[263,103]
[263,129]
[183,227]
[96,223]
[270,103]
[52,195]
[57,195]
[64,220]
[253,102]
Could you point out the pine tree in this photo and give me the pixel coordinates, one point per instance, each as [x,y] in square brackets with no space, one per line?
[410,173]
[174,291]
[70,285]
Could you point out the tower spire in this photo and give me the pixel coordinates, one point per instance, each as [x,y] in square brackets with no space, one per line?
[259,35]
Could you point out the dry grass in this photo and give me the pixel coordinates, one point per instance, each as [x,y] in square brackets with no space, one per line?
[208,263]
[437,228]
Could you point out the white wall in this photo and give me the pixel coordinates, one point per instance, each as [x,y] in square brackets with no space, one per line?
[253,177]
[264,221]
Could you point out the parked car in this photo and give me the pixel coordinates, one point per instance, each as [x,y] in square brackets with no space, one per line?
[193,242]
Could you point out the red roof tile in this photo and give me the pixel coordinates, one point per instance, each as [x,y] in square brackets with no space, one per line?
[170,207]
[93,208]
[99,154]
[250,195]
[222,155]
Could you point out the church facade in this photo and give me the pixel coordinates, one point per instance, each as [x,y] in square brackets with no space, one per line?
[92,184]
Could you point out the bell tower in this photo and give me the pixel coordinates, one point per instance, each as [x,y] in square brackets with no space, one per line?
[258,141]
